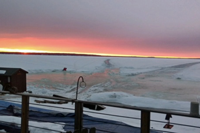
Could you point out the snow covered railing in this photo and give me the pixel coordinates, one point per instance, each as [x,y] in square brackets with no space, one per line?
[78,121]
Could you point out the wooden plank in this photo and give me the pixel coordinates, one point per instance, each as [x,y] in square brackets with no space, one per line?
[54,95]
[94,106]
[78,116]
[51,102]
[154,110]
[92,130]
[77,131]
[84,130]
[145,122]
[25,114]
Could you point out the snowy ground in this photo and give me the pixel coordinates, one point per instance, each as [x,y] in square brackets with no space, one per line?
[146,82]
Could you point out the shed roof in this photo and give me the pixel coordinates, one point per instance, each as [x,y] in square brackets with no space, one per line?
[10,71]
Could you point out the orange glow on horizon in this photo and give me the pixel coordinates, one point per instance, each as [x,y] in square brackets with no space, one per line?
[21,50]
[100,54]
[81,46]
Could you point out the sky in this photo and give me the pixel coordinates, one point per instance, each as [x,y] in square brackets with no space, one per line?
[165,28]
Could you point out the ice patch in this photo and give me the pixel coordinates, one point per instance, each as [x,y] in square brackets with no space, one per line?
[2,131]
[2,71]
[130,71]
[128,99]
[192,73]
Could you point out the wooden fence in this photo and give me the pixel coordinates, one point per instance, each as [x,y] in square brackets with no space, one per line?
[78,125]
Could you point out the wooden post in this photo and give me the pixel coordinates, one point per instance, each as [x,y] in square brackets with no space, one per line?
[77,131]
[85,130]
[145,122]
[25,114]
[92,130]
[78,116]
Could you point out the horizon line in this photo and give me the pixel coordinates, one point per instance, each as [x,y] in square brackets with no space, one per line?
[94,54]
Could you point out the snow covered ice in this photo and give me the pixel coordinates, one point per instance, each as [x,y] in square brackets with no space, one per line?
[145,82]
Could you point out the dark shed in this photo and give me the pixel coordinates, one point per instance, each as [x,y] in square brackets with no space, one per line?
[13,78]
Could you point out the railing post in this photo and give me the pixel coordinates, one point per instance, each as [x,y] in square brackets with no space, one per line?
[84,130]
[78,116]
[92,130]
[25,114]
[145,121]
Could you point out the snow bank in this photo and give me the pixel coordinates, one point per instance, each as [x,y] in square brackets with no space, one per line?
[191,73]
[128,99]
[132,66]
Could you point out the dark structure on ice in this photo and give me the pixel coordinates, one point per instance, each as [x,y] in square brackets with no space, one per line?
[13,79]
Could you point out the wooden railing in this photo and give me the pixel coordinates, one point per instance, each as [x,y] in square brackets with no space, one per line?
[78,125]
[84,130]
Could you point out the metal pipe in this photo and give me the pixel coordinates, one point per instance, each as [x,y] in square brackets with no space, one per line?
[80,85]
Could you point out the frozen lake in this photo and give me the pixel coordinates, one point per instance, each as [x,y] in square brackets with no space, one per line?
[168,79]
[161,83]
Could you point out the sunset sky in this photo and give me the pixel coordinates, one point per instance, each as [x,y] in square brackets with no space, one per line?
[168,28]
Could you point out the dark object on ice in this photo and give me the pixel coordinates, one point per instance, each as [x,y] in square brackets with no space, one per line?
[13,79]
[168,126]
[64,69]
[54,95]
[94,106]
[167,117]
[51,102]
[90,106]
[107,63]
